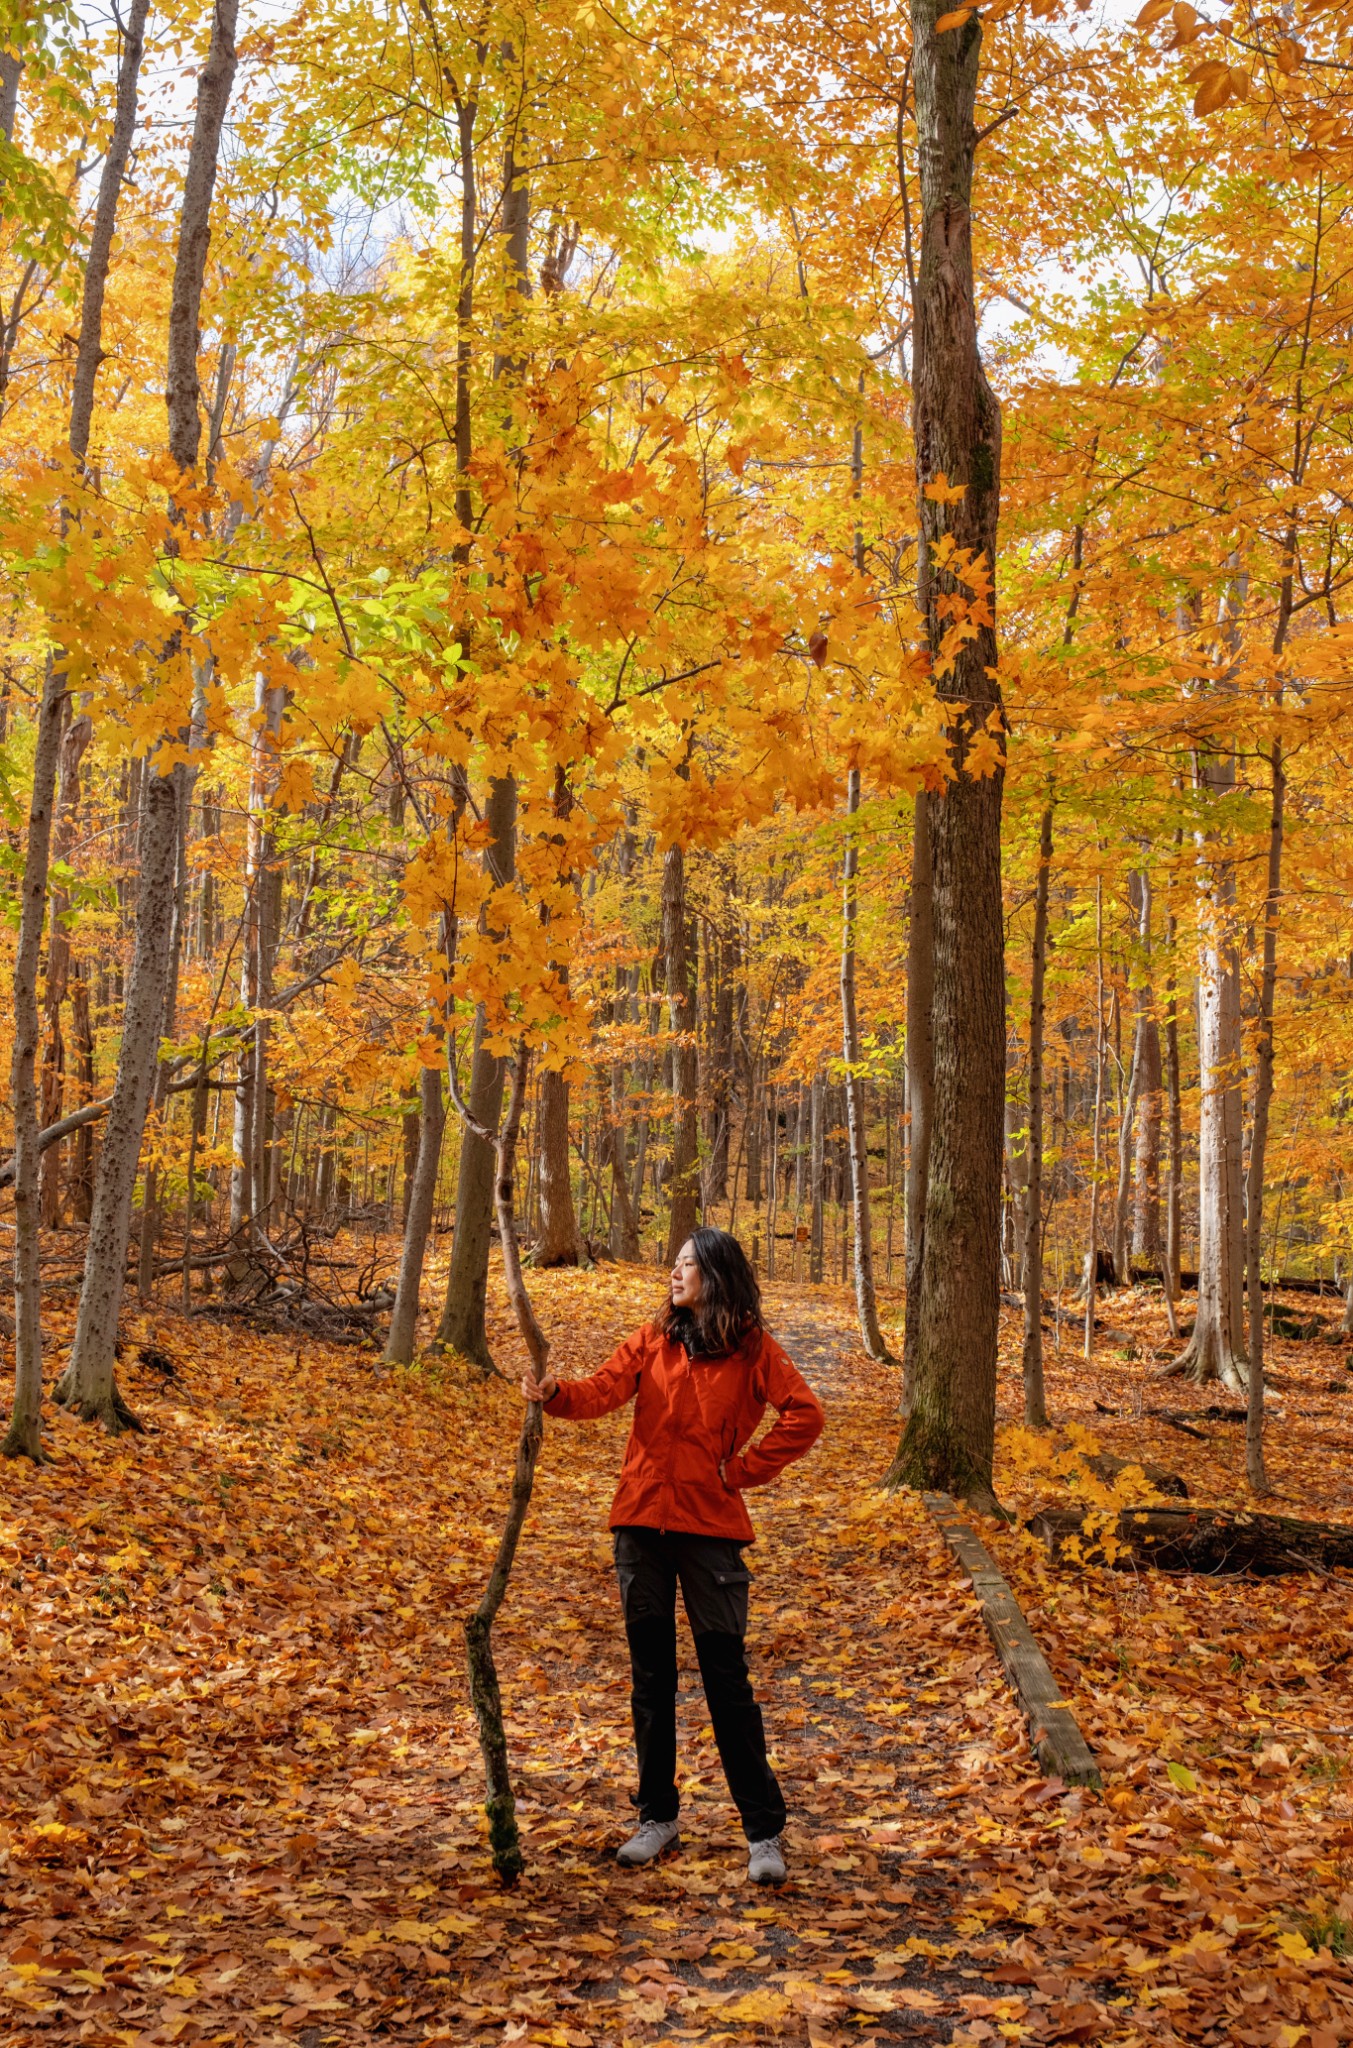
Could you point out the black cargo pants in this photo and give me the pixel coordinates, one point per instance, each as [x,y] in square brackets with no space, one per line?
[714,1585]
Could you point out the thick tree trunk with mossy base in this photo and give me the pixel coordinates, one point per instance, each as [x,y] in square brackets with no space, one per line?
[948,1442]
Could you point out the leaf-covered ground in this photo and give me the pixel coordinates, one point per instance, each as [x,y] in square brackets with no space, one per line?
[242,1787]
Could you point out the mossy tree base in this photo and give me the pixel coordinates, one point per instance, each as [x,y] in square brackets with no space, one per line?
[107,1406]
[932,1459]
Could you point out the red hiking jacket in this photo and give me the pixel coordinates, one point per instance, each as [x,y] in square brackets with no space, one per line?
[689,1414]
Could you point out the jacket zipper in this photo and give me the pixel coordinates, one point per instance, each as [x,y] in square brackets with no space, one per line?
[672,1448]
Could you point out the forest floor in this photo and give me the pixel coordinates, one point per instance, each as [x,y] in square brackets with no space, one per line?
[242,1790]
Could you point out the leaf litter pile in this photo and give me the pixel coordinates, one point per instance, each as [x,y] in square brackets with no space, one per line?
[242,1789]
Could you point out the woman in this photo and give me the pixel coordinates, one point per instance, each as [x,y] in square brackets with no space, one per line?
[701,1376]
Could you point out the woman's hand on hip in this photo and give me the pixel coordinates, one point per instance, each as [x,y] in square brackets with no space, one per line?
[539,1390]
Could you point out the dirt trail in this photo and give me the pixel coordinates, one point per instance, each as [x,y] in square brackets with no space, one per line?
[245,1794]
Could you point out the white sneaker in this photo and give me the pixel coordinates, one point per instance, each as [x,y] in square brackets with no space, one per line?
[653,1838]
[765,1862]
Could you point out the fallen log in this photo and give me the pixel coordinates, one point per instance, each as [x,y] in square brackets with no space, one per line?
[1109,1468]
[1209,1541]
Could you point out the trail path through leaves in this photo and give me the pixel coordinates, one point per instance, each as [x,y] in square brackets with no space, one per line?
[243,1792]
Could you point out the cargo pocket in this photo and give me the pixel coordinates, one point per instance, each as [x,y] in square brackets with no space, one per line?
[646,1593]
[716,1598]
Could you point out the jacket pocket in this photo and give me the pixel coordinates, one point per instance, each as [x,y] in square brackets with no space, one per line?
[717,1599]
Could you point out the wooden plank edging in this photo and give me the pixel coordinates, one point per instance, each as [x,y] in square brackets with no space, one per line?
[1058,1744]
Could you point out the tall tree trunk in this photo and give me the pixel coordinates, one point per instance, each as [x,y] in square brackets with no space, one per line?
[1263,1096]
[23,1438]
[1146,1244]
[1215,1351]
[866,1303]
[82,1034]
[949,1439]
[559,1242]
[463,1327]
[624,1231]
[150,1186]
[920,1079]
[721,955]
[402,1337]
[88,1382]
[249,1193]
[11,71]
[78,735]
[1123,1191]
[410,1122]
[685,1176]
[817,1173]
[1035,1401]
[1092,1230]
[1174,1191]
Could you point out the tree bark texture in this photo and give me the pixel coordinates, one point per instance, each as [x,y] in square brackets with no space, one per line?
[11,71]
[1092,1234]
[401,1340]
[462,1327]
[920,1078]
[866,1301]
[1035,1401]
[949,1439]
[559,1242]
[23,1437]
[817,1167]
[88,1383]
[77,737]
[684,1188]
[1263,1096]
[1216,1349]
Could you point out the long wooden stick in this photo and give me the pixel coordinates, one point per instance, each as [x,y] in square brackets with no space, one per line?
[499,1803]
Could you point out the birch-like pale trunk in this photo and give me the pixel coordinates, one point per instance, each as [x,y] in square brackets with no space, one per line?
[1092,1232]
[1123,1190]
[23,1437]
[1255,1472]
[88,1383]
[866,1300]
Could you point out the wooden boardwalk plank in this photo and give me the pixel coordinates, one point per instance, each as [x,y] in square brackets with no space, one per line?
[1058,1744]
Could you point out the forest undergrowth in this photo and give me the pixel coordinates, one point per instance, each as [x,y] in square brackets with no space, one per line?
[242,1789]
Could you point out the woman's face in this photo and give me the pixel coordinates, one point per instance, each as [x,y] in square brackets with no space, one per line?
[688,1283]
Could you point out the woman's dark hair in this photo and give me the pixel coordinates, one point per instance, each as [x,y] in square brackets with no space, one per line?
[730,1301]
